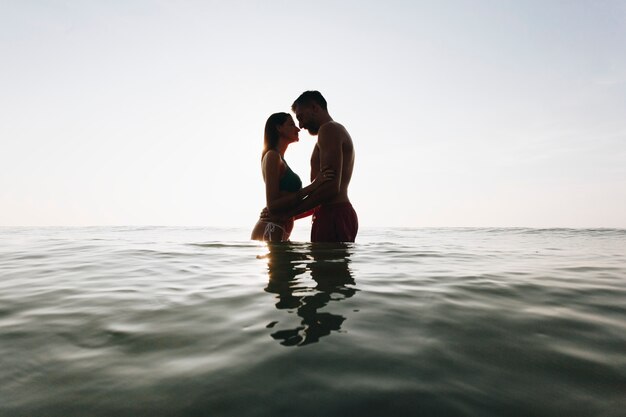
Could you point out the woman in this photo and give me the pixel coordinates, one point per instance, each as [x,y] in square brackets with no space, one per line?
[283,187]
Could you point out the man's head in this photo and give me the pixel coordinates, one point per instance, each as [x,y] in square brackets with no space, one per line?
[311,111]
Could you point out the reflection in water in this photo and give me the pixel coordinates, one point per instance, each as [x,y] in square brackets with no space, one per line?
[329,267]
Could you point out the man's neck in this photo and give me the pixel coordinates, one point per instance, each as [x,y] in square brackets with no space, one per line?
[325,120]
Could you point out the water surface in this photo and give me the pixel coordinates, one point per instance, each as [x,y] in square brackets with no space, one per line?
[202,322]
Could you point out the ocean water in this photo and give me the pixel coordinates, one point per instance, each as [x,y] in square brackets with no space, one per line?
[202,322]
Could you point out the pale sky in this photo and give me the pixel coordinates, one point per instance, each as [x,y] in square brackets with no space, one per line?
[463,113]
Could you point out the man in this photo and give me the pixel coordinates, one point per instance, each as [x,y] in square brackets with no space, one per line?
[334,218]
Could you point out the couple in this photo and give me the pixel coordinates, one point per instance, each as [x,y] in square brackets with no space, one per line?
[332,162]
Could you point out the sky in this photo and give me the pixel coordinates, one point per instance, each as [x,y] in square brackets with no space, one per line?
[463,113]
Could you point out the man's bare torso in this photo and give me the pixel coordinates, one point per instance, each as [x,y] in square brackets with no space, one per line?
[346,149]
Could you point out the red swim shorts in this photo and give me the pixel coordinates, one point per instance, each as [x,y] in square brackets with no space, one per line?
[334,223]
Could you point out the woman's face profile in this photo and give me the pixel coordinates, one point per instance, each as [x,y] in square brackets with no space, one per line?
[289,130]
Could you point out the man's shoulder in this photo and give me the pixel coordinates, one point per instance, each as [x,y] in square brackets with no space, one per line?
[332,131]
[332,127]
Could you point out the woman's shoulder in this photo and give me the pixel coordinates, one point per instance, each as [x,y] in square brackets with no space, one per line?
[271,155]
[272,158]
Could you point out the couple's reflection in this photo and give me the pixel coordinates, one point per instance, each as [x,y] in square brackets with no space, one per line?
[289,265]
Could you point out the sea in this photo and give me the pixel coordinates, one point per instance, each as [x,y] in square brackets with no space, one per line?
[201,321]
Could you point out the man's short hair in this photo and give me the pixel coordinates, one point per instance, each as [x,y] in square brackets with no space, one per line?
[309,97]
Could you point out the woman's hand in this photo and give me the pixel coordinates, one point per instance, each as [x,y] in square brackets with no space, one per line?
[326,174]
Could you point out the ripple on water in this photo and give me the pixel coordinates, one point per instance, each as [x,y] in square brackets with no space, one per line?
[181,321]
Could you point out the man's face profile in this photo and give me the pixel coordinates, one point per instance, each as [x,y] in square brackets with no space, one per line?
[304,114]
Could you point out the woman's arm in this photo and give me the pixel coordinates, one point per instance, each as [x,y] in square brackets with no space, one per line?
[275,200]
[278,201]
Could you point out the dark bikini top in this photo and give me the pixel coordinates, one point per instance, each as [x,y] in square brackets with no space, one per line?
[290,181]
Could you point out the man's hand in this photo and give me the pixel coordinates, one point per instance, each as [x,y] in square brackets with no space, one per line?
[268,217]
[265,215]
